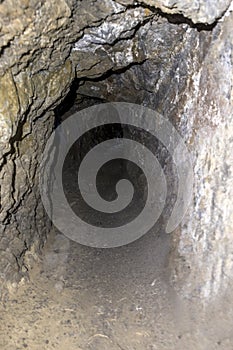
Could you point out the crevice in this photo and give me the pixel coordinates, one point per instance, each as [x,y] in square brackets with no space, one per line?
[181,19]
[132,32]
[111,71]
[175,18]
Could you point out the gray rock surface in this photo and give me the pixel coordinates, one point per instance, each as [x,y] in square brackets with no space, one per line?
[198,11]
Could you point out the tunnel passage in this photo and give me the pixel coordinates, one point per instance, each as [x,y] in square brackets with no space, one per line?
[114,170]
[177,64]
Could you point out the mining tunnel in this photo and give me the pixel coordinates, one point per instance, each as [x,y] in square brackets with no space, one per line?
[139,91]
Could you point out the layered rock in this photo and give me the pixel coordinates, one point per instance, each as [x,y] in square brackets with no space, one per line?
[199,11]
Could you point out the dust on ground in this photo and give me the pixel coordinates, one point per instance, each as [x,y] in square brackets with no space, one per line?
[81,298]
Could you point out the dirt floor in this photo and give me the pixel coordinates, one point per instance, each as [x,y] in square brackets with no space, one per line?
[114,299]
[82,298]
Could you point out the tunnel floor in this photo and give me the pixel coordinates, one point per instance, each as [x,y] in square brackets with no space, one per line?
[82,298]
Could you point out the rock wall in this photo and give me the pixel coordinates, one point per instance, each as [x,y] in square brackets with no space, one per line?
[148,52]
[199,11]
[186,75]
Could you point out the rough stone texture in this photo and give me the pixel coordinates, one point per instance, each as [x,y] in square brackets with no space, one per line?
[28,92]
[120,50]
[207,125]
[24,124]
[199,11]
[191,83]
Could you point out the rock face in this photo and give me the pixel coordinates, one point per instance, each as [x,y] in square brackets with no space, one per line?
[180,86]
[120,51]
[199,11]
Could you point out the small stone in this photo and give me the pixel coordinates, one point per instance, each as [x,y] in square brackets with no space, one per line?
[59,286]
